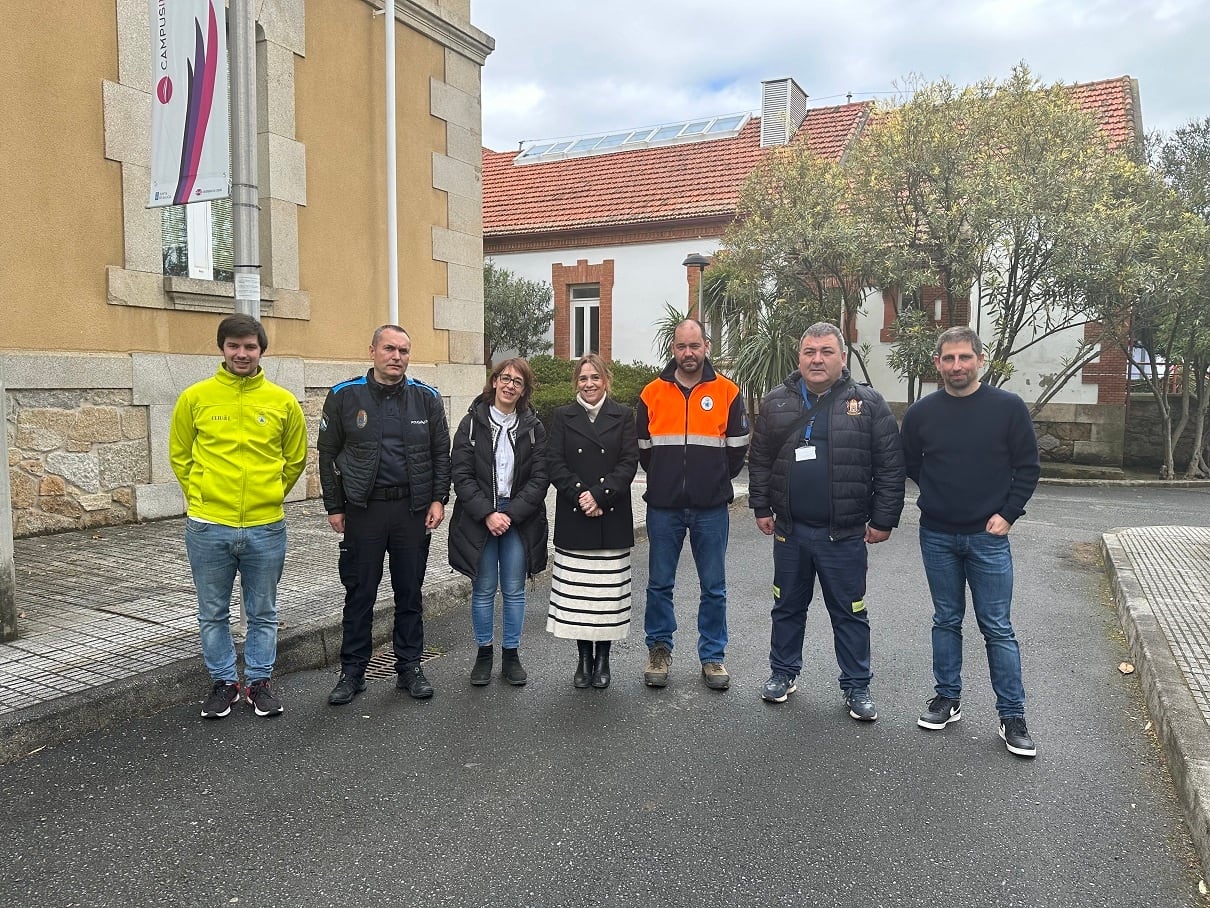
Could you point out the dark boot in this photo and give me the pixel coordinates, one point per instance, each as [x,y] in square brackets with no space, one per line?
[481,671]
[510,667]
[600,668]
[583,675]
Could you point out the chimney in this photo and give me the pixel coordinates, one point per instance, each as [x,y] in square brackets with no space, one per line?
[783,107]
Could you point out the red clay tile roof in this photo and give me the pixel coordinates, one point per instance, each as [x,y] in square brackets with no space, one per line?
[1112,102]
[698,179]
[669,183]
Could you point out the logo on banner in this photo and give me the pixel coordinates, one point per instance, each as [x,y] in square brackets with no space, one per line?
[190,147]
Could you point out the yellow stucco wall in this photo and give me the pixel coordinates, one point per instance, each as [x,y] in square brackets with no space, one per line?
[342,230]
[62,200]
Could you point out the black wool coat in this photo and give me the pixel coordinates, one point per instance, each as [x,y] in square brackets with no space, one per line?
[473,466]
[600,458]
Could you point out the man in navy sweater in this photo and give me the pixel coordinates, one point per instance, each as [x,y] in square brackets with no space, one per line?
[972,451]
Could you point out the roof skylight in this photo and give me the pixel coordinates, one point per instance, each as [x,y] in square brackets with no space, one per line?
[697,130]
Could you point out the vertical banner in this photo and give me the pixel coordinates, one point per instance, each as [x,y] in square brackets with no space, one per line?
[190,125]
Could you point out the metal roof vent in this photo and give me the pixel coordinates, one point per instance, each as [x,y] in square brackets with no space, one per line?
[783,107]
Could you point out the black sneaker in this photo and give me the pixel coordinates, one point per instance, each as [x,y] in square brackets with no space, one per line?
[1016,737]
[264,701]
[412,680]
[861,706]
[940,712]
[347,687]
[777,688]
[222,695]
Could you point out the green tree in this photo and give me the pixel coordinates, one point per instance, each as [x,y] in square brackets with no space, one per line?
[665,330]
[1005,189]
[1169,285]
[917,177]
[1002,193]
[517,313]
[1053,219]
[911,355]
[796,254]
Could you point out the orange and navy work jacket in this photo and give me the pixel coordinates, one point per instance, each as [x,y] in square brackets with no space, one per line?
[692,442]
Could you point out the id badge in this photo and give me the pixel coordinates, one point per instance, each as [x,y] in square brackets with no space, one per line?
[806,452]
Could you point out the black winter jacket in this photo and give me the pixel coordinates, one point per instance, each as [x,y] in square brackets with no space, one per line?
[598,457]
[473,465]
[866,463]
[350,441]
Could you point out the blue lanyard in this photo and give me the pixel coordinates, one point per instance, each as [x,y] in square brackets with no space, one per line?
[806,435]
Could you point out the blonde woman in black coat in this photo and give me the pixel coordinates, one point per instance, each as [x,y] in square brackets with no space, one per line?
[592,456]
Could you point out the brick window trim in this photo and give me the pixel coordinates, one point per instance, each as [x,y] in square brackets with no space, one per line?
[929,297]
[562,279]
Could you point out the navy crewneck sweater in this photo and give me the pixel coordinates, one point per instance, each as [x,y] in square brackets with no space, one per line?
[971,456]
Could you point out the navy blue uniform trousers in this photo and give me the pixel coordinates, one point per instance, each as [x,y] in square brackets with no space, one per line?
[382,528]
[798,559]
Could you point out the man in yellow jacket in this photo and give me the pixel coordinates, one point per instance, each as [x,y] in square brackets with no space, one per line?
[238,443]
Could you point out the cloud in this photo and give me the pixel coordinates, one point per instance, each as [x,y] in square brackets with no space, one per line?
[563,68]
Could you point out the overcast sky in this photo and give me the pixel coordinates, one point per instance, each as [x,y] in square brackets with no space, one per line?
[566,67]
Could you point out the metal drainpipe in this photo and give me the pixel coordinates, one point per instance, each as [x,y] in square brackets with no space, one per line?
[245,195]
[392,200]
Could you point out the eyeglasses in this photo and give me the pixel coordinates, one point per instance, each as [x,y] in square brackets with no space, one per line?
[511,380]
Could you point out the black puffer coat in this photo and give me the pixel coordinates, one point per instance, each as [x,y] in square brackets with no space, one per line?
[599,457]
[350,442]
[474,471]
[866,464]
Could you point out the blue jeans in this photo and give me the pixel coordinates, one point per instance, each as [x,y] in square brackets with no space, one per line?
[840,565]
[216,554]
[953,561]
[708,529]
[502,564]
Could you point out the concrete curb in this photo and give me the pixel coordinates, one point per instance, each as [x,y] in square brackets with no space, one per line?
[307,646]
[1128,483]
[1183,732]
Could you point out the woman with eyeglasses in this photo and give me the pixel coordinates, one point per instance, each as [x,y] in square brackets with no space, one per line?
[592,458]
[499,528]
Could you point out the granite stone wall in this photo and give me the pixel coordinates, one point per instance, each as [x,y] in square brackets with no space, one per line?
[1145,435]
[74,458]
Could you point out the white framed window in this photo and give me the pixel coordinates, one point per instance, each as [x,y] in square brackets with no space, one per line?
[197,240]
[585,320]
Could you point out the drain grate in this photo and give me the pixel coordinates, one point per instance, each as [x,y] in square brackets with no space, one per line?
[382,663]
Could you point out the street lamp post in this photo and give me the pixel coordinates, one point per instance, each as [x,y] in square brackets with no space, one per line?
[701,263]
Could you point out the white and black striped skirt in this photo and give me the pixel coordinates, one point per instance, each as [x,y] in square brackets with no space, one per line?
[590,595]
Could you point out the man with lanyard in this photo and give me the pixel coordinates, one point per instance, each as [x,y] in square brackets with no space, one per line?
[384,465]
[826,478]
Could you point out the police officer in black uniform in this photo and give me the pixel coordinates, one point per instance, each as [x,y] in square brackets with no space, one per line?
[384,465]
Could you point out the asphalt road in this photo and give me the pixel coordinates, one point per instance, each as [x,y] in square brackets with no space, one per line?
[550,796]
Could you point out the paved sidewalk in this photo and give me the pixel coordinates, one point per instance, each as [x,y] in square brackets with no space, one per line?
[1161,584]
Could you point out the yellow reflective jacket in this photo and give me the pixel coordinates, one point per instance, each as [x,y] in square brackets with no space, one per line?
[237,446]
